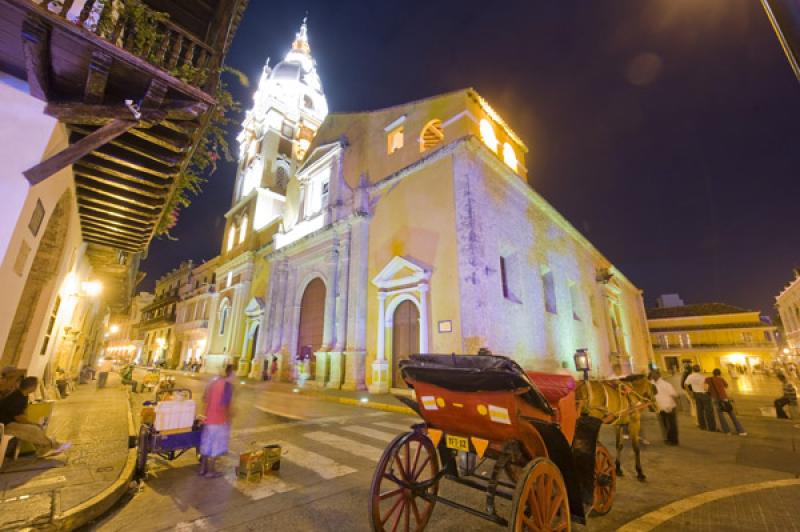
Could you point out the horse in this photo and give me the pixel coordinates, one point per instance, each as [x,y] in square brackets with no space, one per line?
[618,402]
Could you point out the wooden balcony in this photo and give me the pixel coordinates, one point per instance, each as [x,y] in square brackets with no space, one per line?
[135,83]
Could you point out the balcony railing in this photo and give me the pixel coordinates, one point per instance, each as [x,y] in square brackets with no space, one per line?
[715,346]
[147,34]
[190,325]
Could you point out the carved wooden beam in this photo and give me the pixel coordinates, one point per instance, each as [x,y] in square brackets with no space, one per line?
[145,227]
[82,113]
[72,153]
[92,168]
[147,203]
[153,169]
[106,212]
[119,185]
[121,205]
[36,47]
[97,77]
[138,147]
[111,243]
[134,239]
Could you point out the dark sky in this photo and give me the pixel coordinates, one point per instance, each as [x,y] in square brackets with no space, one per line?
[667,131]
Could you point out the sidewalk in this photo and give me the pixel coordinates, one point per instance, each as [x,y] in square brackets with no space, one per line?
[66,491]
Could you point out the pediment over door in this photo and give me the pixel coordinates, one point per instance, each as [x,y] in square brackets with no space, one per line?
[254,308]
[401,271]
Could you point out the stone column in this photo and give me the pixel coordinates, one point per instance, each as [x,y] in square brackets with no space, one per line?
[423,318]
[357,308]
[380,368]
[336,354]
[288,326]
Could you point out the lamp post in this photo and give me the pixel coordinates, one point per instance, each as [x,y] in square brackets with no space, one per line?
[583,362]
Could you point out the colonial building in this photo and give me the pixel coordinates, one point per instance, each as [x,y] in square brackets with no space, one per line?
[197,301]
[356,239]
[98,127]
[713,335]
[125,337]
[788,303]
[161,344]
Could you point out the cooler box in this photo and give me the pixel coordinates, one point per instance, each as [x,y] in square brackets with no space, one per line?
[175,416]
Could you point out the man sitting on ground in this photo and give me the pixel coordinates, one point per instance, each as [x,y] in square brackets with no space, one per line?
[12,415]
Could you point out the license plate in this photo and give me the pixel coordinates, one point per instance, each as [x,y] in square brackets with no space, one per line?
[458,443]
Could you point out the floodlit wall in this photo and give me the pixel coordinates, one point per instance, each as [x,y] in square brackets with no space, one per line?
[414,218]
[525,266]
[40,242]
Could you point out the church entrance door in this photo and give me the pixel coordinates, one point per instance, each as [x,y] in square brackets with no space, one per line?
[312,323]
[405,338]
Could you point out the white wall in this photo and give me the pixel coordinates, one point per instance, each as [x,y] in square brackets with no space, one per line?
[27,136]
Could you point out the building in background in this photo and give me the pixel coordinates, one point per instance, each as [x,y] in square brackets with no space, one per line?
[713,335]
[161,345]
[89,180]
[197,301]
[788,304]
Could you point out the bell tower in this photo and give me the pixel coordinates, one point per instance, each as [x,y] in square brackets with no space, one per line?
[288,108]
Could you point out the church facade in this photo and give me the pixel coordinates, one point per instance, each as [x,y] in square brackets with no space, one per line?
[357,239]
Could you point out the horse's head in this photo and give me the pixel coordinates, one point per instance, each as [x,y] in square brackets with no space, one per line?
[644,388]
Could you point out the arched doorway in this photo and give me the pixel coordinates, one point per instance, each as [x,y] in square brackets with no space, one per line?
[312,323]
[405,337]
[44,267]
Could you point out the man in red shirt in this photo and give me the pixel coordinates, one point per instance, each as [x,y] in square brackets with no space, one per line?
[217,425]
[716,386]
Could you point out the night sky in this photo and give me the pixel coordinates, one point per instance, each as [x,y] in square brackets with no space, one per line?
[665,130]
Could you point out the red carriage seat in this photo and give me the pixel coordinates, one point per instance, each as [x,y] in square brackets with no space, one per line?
[552,385]
[559,390]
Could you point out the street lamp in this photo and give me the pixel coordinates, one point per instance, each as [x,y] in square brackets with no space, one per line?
[583,362]
[114,329]
[92,288]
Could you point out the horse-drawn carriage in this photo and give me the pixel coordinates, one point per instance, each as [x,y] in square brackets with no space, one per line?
[489,425]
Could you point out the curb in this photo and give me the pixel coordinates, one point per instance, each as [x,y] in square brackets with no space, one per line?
[397,409]
[103,501]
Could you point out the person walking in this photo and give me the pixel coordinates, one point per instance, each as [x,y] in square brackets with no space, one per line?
[216,433]
[789,398]
[102,374]
[696,382]
[12,415]
[666,401]
[274,368]
[722,404]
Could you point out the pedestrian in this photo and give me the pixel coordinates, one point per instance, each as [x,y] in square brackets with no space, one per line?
[274,368]
[12,415]
[666,401]
[102,374]
[789,398]
[217,425]
[696,382]
[722,404]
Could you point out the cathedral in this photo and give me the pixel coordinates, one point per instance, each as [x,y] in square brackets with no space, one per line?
[356,239]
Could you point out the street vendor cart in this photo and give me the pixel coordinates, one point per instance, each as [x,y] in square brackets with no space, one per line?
[490,426]
[169,428]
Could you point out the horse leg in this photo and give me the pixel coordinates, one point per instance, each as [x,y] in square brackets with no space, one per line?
[634,429]
[620,443]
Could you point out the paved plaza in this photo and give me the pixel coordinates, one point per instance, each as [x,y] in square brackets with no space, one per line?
[710,482]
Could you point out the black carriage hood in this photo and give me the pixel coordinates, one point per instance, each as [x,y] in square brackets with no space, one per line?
[473,373]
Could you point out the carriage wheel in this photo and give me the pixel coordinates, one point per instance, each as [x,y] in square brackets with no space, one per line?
[540,501]
[396,501]
[605,481]
[142,449]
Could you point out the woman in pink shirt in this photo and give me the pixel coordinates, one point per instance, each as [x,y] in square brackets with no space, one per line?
[217,424]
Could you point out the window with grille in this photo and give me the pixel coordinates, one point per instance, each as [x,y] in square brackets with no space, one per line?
[432,135]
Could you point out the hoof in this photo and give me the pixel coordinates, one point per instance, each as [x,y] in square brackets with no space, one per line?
[619,472]
[641,478]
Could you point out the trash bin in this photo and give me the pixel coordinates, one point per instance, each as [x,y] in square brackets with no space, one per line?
[62,388]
